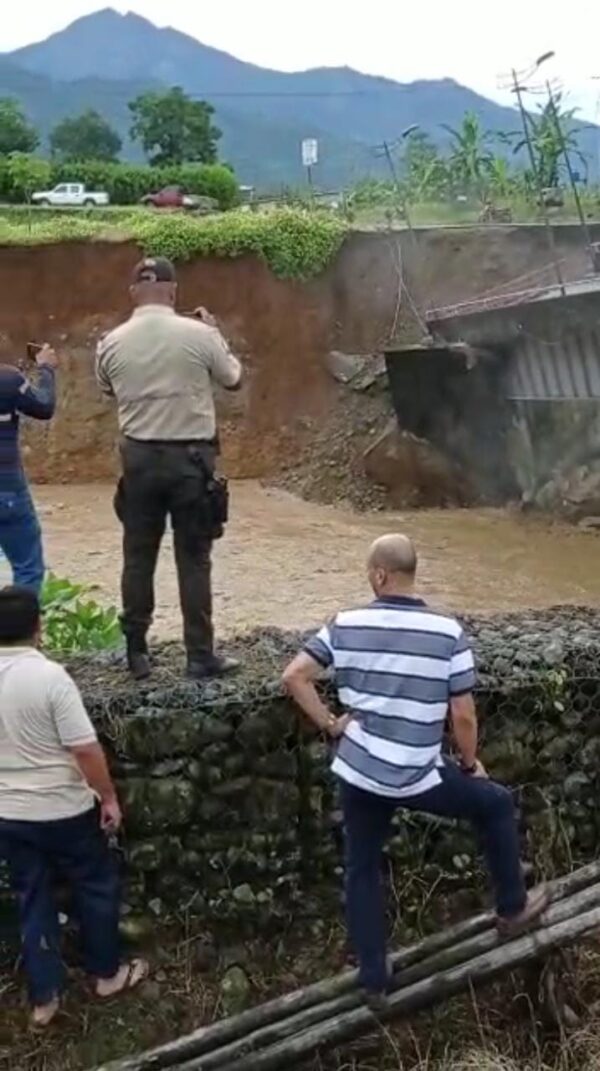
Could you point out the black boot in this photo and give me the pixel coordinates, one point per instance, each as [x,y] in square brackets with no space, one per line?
[206,666]
[138,659]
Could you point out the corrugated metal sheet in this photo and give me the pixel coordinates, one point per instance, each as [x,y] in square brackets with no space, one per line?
[543,371]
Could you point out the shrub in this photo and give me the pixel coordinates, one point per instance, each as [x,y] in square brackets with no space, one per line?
[294,243]
[73,623]
[127,183]
[124,183]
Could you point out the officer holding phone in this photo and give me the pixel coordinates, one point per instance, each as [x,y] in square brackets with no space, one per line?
[20,533]
[161,369]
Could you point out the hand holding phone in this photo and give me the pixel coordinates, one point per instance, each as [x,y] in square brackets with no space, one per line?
[33,348]
[205,316]
[42,355]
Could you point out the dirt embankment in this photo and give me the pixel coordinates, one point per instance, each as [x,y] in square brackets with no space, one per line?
[69,294]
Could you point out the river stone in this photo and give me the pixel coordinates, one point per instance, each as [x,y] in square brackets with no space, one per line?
[235,990]
[155,733]
[152,806]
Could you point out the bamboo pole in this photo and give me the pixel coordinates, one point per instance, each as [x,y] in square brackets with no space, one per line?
[446,959]
[209,1038]
[344,1028]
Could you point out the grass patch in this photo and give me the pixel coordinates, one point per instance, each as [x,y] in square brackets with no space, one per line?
[496,1029]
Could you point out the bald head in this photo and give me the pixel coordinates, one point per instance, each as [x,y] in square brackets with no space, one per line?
[392,563]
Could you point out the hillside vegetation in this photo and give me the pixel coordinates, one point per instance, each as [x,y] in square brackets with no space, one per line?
[106,59]
[293,242]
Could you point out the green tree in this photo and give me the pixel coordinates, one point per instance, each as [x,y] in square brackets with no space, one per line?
[85,137]
[16,133]
[500,178]
[546,139]
[27,174]
[425,171]
[470,157]
[173,128]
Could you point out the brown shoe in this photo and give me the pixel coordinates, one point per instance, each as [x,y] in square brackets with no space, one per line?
[514,925]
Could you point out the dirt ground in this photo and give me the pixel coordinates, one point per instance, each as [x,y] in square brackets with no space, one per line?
[289,563]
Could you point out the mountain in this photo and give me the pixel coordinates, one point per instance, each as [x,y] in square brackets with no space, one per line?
[264,153]
[47,101]
[104,60]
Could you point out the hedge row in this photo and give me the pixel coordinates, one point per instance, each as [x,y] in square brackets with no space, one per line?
[125,183]
[295,244]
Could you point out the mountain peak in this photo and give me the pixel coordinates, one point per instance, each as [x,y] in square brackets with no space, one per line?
[108,16]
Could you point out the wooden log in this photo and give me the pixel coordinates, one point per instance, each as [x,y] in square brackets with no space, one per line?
[349,1025]
[441,961]
[208,1038]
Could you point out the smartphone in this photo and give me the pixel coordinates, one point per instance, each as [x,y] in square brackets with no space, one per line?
[33,348]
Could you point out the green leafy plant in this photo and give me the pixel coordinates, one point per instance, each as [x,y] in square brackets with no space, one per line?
[295,243]
[26,173]
[470,157]
[545,133]
[73,622]
[426,173]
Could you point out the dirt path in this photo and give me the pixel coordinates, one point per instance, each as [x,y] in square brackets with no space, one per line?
[289,563]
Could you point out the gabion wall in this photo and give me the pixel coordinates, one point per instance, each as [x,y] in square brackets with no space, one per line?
[230,809]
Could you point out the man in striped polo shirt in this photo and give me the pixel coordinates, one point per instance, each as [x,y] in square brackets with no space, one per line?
[400,669]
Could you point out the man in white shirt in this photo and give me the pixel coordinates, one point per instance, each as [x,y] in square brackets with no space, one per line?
[58,806]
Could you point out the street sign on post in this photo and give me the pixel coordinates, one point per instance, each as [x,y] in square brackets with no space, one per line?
[310,152]
[310,156]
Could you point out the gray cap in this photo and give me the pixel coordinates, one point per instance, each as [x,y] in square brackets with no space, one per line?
[154,270]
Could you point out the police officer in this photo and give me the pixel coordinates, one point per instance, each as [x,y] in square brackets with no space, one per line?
[161,367]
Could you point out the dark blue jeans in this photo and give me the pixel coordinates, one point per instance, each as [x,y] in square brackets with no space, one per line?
[21,538]
[77,849]
[367,819]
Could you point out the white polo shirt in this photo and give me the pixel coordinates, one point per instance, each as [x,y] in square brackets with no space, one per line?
[41,716]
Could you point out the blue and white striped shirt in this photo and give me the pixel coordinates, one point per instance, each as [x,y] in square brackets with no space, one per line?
[397,665]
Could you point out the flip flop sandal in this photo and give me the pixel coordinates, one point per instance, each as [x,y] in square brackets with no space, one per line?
[39,1025]
[137,972]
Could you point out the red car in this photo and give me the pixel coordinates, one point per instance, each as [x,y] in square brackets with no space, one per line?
[170,197]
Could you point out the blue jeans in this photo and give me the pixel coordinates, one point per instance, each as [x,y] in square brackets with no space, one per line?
[21,538]
[75,848]
[367,819]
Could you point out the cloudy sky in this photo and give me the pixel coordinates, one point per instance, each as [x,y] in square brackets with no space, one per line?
[462,39]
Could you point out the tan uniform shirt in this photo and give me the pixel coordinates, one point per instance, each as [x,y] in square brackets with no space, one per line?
[41,717]
[160,367]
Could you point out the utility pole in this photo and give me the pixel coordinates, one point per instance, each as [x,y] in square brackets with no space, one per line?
[565,151]
[518,91]
[385,150]
[309,176]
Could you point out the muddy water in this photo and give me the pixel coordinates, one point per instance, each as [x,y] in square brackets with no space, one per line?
[289,563]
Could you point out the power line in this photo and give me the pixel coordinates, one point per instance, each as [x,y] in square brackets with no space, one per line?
[298,93]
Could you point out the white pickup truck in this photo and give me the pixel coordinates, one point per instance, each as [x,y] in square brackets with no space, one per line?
[70,195]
